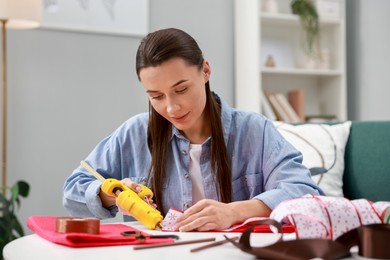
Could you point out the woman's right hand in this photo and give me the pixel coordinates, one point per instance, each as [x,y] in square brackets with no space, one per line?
[137,189]
[108,201]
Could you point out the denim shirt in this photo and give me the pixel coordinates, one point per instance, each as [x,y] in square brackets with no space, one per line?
[264,165]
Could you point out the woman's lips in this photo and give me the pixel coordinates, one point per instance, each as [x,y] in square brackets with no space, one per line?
[180,118]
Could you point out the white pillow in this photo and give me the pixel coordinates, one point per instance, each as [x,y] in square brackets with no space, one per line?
[322,146]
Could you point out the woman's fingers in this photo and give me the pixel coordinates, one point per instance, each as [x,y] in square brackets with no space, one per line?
[132,185]
[205,215]
[137,188]
[148,199]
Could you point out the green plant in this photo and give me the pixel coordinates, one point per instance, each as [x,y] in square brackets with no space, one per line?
[308,15]
[10,227]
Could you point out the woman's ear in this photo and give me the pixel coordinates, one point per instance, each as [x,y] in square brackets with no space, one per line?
[206,70]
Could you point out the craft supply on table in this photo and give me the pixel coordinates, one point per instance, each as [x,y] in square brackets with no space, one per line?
[328,217]
[372,241]
[175,243]
[77,225]
[142,237]
[213,244]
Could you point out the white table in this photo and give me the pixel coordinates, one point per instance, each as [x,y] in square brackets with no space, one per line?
[35,247]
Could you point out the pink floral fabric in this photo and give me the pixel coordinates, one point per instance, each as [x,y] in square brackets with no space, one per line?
[329,217]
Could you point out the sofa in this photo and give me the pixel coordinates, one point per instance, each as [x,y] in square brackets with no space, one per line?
[350,159]
[367,161]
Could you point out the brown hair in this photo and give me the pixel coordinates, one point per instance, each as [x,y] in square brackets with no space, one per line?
[156,48]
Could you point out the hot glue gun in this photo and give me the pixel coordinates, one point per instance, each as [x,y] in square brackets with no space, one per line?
[128,200]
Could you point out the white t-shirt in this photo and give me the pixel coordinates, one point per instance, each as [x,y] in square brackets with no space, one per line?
[195,173]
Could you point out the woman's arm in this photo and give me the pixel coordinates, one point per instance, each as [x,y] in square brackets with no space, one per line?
[114,158]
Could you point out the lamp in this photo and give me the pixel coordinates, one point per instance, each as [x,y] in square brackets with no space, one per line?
[14,14]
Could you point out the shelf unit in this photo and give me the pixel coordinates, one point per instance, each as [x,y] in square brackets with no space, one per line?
[259,34]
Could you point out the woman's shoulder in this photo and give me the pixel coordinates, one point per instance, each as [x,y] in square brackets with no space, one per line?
[136,123]
[234,118]
[252,122]
[239,116]
[247,117]
[138,118]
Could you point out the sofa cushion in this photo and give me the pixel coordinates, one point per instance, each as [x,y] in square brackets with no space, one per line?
[367,161]
[322,147]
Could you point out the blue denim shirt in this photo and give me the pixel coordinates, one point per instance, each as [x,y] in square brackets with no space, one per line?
[264,165]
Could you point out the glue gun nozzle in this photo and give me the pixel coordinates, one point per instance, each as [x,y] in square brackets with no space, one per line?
[159,225]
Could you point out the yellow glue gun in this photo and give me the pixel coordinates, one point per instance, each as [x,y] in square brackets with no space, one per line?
[130,201]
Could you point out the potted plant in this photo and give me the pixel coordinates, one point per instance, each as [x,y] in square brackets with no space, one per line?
[308,16]
[10,227]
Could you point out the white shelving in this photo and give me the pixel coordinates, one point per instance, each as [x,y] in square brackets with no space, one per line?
[259,34]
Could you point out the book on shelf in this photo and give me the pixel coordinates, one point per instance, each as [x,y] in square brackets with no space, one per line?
[281,114]
[281,107]
[287,108]
[266,107]
[297,100]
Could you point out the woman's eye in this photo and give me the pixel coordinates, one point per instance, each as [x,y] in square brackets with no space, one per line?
[157,97]
[181,90]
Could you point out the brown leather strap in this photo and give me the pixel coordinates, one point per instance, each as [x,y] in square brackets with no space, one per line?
[375,241]
[371,239]
[77,225]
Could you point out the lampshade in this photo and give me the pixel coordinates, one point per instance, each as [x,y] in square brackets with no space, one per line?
[21,14]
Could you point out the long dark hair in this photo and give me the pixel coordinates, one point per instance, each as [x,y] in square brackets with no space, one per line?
[156,48]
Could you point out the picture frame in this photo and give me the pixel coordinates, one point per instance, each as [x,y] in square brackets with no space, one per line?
[122,17]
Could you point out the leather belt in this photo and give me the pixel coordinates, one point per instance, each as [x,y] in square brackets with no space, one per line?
[372,240]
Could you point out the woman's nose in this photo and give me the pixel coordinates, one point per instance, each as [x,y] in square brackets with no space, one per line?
[172,106]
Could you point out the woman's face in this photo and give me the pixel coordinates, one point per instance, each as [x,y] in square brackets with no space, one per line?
[177,92]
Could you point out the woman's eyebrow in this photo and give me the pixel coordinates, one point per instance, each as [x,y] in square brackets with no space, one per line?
[174,85]
[179,82]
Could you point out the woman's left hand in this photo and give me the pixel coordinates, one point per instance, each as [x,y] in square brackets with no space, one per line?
[210,214]
[206,215]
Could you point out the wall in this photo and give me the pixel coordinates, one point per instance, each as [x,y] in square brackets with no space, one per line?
[68,90]
[368,60]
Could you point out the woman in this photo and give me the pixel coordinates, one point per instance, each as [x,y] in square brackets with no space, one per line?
[220,165]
